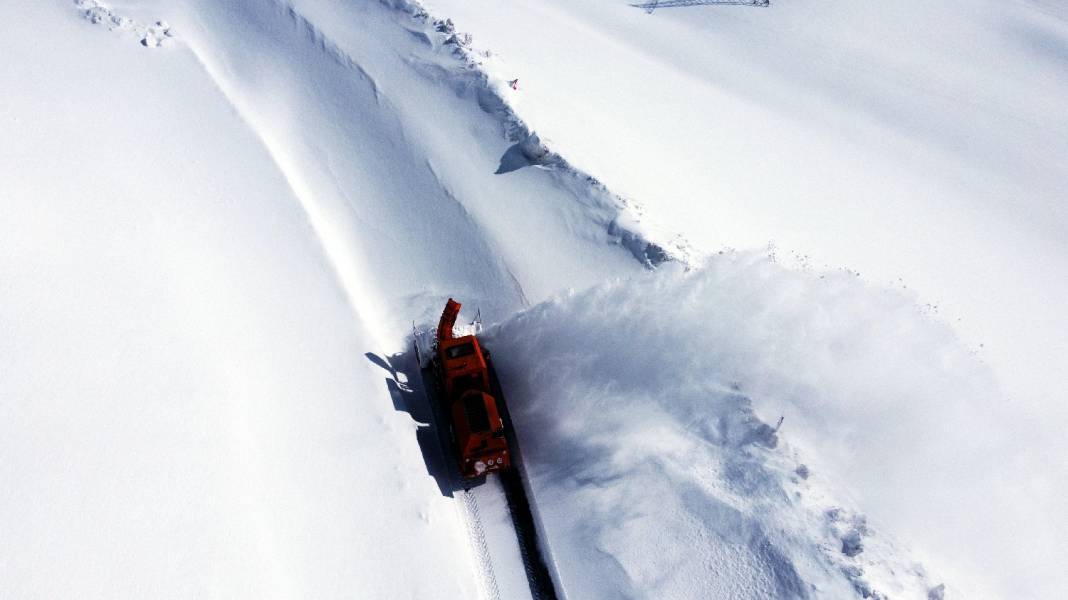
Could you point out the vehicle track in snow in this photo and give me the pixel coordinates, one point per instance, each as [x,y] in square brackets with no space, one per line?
[513,480]
[487,579]
[538,577]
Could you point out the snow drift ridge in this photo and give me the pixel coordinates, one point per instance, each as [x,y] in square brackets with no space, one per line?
[620,217]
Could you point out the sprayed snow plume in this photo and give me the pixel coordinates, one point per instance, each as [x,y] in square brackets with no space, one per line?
[649,413]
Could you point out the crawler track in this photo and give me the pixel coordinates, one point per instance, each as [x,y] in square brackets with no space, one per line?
[538,574]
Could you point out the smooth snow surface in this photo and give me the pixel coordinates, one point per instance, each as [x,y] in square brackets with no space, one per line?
[218,221]
[184,399]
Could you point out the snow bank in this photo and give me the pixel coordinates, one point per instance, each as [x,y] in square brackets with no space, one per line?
[391,143]
[185,406]
[643,407]
[621,217]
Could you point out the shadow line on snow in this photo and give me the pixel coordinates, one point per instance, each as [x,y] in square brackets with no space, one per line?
[513,159]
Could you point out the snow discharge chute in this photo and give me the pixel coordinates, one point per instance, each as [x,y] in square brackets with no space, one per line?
[448,319]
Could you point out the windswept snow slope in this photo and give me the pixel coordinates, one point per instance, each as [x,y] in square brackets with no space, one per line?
[185,409]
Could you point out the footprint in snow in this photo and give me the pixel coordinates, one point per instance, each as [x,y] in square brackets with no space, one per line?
[150,36]
[156,35]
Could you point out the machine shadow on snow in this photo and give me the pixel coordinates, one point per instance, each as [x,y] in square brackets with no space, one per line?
[406,388]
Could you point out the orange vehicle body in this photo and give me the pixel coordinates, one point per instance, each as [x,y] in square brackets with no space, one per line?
[464,381]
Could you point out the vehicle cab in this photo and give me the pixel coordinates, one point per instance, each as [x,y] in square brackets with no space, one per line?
[477,426]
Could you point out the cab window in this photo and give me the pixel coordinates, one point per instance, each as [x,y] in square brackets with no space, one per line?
[460,350]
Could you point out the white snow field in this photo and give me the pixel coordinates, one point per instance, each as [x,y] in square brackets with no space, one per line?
[186,409]
[218,221]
